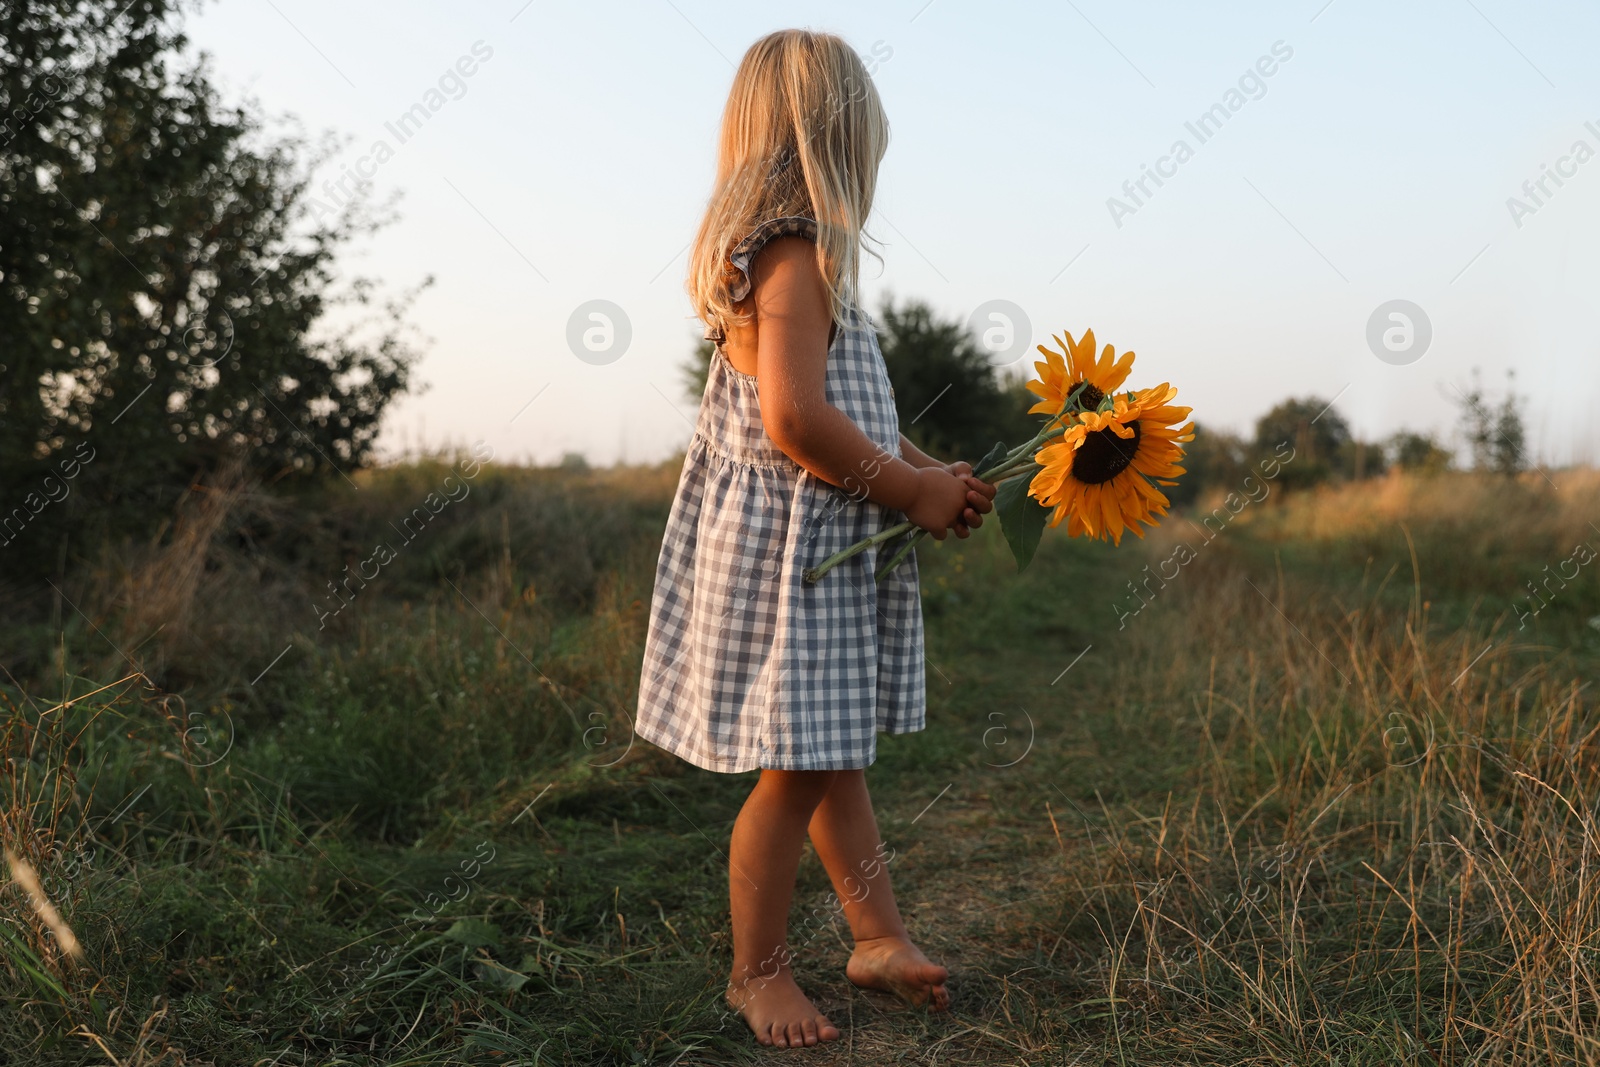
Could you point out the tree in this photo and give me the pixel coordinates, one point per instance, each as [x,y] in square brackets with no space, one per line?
[165,270]
[1358,459]
[1496,434]
[1419,453]
[1319,435]
[695,368]
[952,404]
[1213,458]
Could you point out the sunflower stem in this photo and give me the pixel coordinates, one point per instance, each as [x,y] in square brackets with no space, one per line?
[905,550]
[1021,457]
[1016,469]
[887,534]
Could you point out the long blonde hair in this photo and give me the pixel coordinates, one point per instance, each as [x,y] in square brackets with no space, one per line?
[802,134]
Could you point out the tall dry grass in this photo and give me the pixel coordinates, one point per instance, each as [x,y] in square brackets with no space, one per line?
[1389,851]
[1472,533]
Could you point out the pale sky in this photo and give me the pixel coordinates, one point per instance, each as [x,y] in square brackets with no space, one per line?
[1374,164]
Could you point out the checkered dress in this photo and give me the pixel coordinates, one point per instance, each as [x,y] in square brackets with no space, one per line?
[745,664]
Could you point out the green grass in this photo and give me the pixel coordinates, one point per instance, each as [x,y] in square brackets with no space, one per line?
[1288,813]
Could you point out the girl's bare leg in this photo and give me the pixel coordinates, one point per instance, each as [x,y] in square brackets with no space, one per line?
[764,855]
[845,834]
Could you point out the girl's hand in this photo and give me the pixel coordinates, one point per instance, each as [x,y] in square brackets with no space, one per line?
[980,497]
[944,500]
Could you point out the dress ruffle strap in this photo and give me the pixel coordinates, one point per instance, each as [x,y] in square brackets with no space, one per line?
[744,255]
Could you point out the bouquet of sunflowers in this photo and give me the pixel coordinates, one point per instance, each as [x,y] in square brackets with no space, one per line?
[1097,462]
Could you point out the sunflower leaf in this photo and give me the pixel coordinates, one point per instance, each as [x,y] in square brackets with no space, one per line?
[991,457]
[1022,518]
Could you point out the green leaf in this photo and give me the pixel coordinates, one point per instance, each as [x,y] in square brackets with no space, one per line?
[990,458]
[498,976]
[474,933]
[25,958]
[1022,518]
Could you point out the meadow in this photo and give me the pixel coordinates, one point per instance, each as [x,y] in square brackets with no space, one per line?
[1314,784]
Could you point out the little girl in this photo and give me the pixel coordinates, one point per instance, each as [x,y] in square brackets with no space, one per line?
[797,454]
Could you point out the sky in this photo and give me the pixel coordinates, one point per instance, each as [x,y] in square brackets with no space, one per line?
[1361,153]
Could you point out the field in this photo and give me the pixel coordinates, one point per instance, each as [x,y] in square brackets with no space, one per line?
[1303,779]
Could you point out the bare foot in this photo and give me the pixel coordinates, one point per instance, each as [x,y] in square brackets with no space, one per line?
[895,965]
[778,1013]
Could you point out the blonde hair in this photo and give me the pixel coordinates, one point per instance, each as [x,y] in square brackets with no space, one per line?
[802,134]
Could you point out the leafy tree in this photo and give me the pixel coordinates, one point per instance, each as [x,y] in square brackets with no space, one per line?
[695,368]
[1319,435]
[1213,458]
[952,403]
[162,277]
[1419,453]
[1496,433]
[1359,459]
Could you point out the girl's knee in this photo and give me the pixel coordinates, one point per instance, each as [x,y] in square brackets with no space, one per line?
[802,785]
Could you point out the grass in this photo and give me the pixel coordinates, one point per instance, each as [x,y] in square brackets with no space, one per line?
[1326,796]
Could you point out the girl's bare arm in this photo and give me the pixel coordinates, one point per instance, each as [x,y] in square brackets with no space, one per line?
[792,322]
[916,456]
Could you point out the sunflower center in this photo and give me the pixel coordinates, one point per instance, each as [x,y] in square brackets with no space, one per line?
[1090,398]
[1103,455]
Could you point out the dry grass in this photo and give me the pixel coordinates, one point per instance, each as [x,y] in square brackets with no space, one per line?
[1389,840]
[1432,837]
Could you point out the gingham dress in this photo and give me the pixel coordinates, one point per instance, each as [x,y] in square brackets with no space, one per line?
[745,664]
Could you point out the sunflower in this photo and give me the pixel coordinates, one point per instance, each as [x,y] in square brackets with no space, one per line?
[1101,475]
[1061,372]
